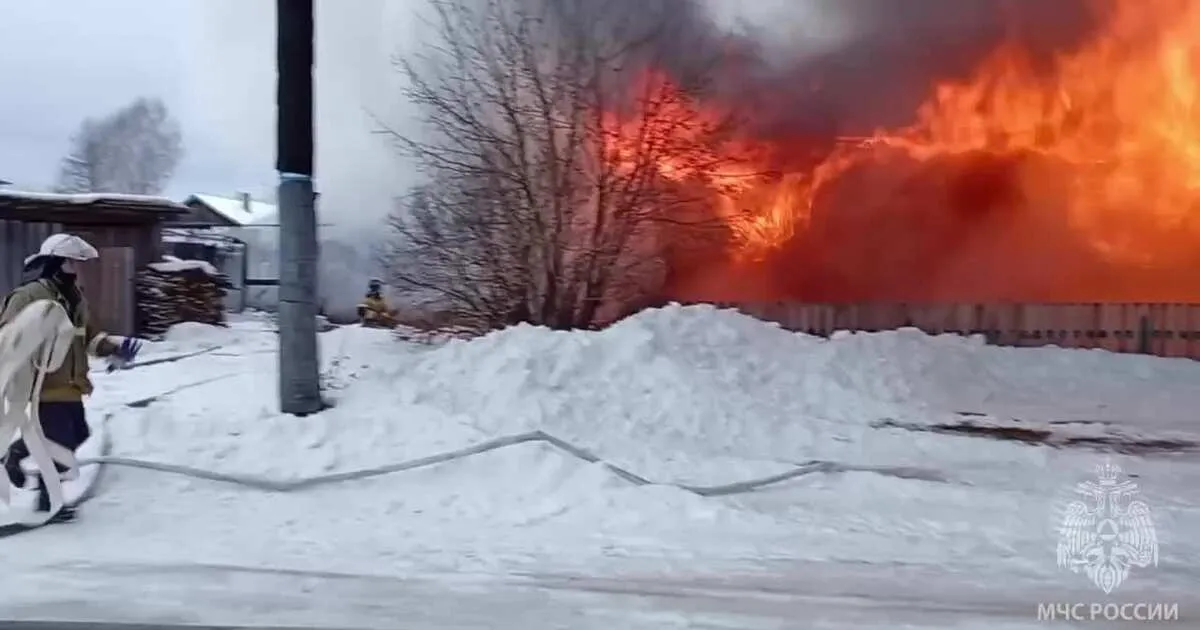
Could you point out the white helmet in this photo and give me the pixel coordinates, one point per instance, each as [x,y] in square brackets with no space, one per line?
[65,246]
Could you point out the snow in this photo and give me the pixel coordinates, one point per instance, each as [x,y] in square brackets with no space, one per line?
[893,524]
[172,264]
[90,198]
[238,211]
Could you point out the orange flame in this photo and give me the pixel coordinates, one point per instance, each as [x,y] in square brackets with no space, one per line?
[1122,112]
[1118,118]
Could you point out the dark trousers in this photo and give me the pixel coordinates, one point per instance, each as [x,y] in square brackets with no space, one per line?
[65,424]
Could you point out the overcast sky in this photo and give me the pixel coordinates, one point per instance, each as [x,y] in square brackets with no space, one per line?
[212,61]
[64,60]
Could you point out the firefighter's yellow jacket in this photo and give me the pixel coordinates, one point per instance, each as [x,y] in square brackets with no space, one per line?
[70,382]
[374,311]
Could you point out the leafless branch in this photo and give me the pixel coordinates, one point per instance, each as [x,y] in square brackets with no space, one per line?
[564,152]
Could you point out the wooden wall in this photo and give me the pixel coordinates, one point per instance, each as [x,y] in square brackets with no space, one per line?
[1168,330]
[110,287]
[19,239]
[145,239]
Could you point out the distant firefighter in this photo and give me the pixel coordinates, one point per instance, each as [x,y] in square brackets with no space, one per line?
[374,311]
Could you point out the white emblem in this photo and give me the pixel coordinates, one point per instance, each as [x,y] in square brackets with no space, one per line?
[1109,531]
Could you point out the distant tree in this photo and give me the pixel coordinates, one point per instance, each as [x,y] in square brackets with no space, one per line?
[133,150]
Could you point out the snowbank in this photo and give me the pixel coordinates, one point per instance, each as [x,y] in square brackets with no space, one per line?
[678,395]
[687,394]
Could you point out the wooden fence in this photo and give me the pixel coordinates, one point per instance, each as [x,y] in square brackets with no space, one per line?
[19,239]
[109,285]
[1168,330]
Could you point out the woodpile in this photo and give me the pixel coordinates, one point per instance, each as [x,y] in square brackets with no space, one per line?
[175,291]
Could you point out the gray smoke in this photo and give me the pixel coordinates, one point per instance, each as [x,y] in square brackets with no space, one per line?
[232,105]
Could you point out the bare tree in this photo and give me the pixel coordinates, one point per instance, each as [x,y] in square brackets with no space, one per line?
[134,150]
[563,155]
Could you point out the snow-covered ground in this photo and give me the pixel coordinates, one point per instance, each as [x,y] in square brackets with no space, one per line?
[892,524]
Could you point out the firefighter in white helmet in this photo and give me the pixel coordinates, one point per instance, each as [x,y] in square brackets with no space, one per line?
[54,268]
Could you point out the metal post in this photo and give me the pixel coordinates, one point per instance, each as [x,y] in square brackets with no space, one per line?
[245,271]
[299,369]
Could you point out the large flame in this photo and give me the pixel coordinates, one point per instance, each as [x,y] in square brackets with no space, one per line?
[1095,157]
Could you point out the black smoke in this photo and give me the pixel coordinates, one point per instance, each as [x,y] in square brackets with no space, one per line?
[894,54]
[877,76]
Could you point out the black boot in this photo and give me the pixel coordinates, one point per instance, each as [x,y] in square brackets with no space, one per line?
[12,466]
[65,513]
[43,498]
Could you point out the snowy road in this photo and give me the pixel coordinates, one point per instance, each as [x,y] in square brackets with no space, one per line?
[816,595]
[215,595]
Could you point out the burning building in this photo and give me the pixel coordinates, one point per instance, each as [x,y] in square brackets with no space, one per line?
[957,151]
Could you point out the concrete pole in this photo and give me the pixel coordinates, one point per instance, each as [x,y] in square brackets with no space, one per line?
[299,359]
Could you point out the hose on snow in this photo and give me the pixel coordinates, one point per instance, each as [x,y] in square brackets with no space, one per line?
[266,484]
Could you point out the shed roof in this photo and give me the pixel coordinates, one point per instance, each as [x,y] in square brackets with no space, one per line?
[85,209]
[239,212]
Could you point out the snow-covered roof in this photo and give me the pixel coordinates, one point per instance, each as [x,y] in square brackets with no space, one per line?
[172,264]
[238,211]
[92,198]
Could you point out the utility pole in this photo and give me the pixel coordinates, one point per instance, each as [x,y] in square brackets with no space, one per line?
[299,369]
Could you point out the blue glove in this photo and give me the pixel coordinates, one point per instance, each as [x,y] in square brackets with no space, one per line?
[128,349]
[125,353]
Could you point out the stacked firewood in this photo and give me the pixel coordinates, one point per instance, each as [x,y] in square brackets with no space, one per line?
[177,291]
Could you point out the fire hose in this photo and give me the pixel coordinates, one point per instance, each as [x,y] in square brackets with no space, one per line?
[35,343]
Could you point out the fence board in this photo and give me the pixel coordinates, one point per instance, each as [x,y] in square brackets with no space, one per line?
[809,321]
[1056,321]
[1173,329]
[108,283]
[816,320]
[1108,325]
[1128,328]
[843,317]
[1191,327]
[818,317]
[795,317]
[1177,323]
[1170,346]
[918,316]
[1157,330]
[1185,322]
[1032,325]
[19,239]
[1087,320]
